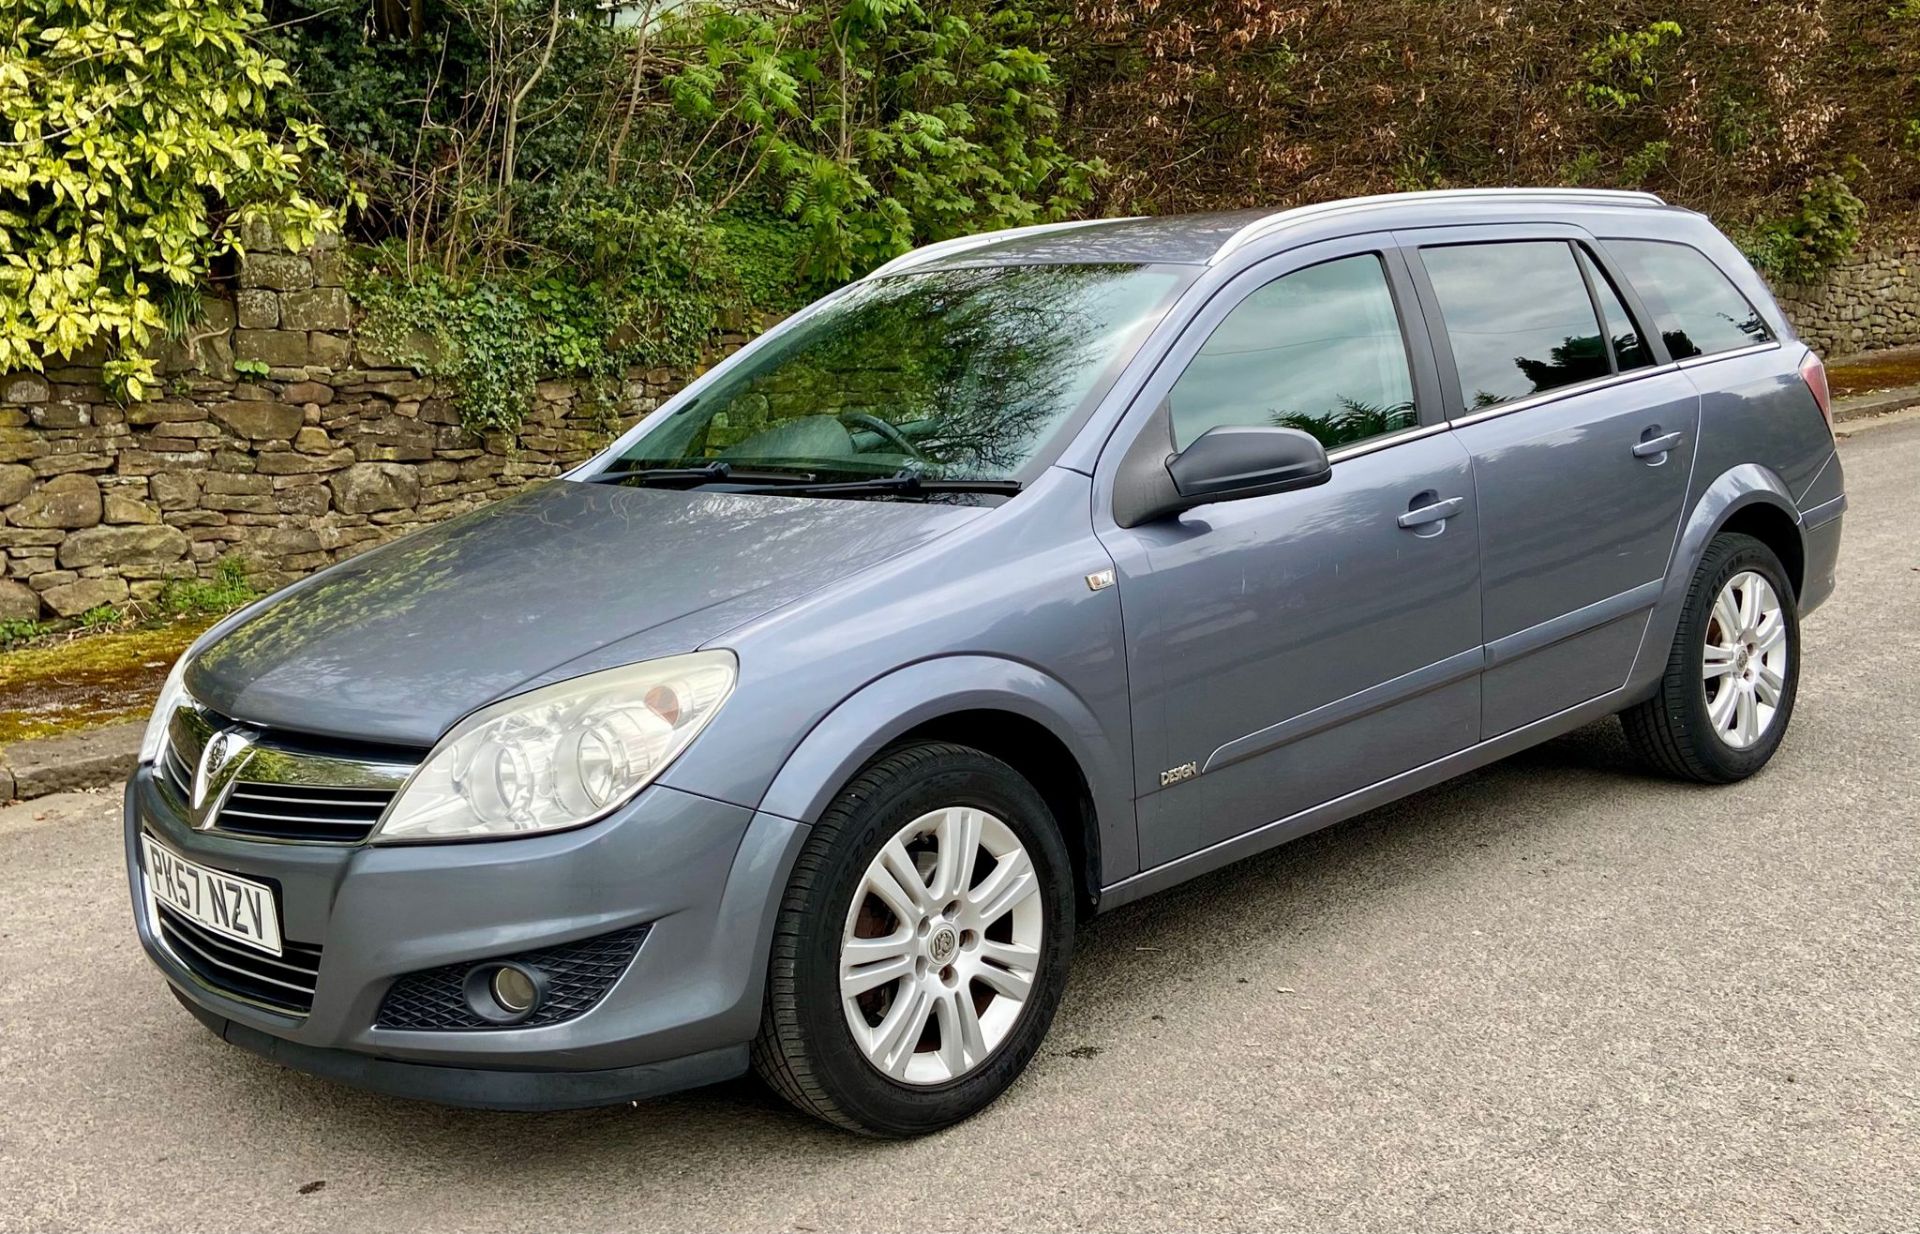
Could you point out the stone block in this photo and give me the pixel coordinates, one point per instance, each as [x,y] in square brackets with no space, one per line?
[303,501]
[69,501]
[18,602]
[24,388]
[279,271]
[236,503]
[222,482]
[181,436]
[20,444]
[109,546]
[62,415]
[308,392]
[276,348]
[257,309]
[260,420]
[329,268]
[321,308]
[368,487]
[166,412]
[312,440]
[15,480]
[127,508]
[175,490]
[290,463]
[329,350]
[60,460]
[72,599]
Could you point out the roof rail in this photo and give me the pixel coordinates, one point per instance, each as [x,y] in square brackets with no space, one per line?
[1300,214]
[960,244]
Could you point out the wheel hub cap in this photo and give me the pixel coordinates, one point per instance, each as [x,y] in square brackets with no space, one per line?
[1746,659]
[941,946]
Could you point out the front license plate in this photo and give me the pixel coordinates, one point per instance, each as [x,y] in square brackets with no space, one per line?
[233,907]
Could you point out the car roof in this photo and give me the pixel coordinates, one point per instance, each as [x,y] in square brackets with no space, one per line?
[1207,239]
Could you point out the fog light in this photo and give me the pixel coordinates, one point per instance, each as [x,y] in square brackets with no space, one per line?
[514,990]
[505,994]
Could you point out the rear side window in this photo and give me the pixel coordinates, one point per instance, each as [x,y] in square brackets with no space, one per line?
[1518,318]
[1630,351]
[1319,350]
[1697,308]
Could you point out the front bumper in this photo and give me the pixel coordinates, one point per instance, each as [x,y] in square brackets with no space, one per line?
[704,875]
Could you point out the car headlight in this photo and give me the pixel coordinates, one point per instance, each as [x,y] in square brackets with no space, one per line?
[171,693]
[562,755]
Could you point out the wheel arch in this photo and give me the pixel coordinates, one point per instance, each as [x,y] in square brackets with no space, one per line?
[1005,708]
[1749,499]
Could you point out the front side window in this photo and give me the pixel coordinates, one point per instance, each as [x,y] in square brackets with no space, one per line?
[1318,350]
[963,374]
[1518,317]
[1698,309]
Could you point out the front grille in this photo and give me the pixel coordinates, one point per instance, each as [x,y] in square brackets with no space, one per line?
[302,811]
[175,773]
[284,786]
[284,984]
[578,976]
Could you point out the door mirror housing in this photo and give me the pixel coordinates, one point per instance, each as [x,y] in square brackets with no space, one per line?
[1235,461]
[1230,463]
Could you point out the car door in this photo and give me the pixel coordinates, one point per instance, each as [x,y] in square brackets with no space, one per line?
[1582,437]
[1284,650]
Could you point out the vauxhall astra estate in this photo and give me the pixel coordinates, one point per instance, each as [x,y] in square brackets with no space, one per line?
[1029,575]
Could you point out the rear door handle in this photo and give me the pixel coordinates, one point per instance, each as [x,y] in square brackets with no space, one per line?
[1657,445]
[1434,513]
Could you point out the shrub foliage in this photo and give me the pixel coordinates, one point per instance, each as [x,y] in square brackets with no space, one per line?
[133,145]
[574,186]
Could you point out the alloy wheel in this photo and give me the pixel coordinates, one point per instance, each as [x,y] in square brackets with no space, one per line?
[941,945]
[1745,663]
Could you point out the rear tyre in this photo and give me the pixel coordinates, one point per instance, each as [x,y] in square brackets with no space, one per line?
[1727,693]
[922,945]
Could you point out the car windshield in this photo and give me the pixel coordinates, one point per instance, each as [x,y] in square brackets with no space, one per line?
[962,374]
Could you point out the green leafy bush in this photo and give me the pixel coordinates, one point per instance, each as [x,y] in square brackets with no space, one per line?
[657,297]
[887,122]
[227,590]
[562,194]
[137,143]
[17,630]
[1621,70]
[1821,231]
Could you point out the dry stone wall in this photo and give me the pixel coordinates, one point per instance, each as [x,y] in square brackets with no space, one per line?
[1870,301]
[336,448]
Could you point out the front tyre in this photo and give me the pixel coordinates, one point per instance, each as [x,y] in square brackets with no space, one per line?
[922,945]
[1730,681]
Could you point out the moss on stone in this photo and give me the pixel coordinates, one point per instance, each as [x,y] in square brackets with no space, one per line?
[88,681]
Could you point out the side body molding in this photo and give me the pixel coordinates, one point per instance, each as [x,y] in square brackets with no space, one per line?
[884,709]
[1732,491]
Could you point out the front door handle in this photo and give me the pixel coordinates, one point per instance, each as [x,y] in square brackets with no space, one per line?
[1652,447]
[1434,513]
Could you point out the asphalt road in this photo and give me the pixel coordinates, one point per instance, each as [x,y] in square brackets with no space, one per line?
[1554,994]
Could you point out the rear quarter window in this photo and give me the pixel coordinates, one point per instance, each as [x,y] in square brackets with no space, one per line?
[1696,308]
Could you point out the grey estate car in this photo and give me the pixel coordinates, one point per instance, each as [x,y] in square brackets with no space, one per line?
[1032,574]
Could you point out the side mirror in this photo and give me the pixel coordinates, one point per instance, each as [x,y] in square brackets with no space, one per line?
[1232,461]
[1227,463]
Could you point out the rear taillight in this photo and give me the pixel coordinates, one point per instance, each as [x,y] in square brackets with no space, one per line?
[1814,374]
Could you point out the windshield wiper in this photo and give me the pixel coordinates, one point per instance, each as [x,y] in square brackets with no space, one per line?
[692,477]
[904,484]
